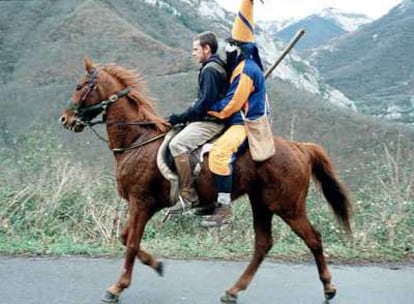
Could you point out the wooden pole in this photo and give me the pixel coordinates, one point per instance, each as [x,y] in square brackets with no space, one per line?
[286,51]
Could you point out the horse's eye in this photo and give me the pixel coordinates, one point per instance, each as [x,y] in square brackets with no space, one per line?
[78,87]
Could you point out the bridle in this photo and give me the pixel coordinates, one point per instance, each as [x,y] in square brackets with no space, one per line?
[86,113]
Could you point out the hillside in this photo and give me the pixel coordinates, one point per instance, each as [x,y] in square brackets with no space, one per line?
[357,143]
[156,35]
[375,65]
[51,52]
[57,188]
[43,44]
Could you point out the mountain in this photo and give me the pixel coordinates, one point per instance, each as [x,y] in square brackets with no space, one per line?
[42,44]
[322,27]
[318,31]
[346,20]
[270,27]
[53,35]
[374,66]
[46,38]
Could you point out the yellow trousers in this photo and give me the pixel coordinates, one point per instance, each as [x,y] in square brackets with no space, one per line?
[221,153]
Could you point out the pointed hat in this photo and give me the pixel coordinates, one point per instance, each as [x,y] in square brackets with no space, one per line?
[243,27]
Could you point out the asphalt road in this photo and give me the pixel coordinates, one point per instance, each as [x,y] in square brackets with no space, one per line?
[84,280]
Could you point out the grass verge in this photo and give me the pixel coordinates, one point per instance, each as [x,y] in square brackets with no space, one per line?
[59,207]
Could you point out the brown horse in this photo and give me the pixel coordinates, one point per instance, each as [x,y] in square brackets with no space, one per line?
[276,186]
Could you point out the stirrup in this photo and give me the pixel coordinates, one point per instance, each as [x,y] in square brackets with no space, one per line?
[180,207]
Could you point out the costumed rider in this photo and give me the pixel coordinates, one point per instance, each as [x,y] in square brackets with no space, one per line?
[246,93]
[212,85]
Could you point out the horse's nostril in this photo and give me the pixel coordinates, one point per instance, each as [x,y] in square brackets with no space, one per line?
[62,120]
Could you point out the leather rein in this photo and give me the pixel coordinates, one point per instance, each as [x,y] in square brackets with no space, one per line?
[82,111]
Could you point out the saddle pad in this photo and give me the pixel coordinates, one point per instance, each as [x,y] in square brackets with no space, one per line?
[166,172]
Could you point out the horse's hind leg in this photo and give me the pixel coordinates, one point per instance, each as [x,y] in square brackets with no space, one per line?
[262,221]
[143,256]
[303,228]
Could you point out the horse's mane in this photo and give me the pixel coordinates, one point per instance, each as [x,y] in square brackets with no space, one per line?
[138,94]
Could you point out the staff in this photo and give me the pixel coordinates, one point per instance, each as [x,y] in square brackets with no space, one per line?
[286,51]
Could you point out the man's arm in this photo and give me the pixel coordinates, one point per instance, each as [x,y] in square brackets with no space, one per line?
[245,87]
[211,83]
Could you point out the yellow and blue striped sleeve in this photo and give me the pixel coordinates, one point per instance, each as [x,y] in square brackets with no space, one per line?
[239,99]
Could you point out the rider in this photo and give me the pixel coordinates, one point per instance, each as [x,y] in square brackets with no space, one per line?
[246,93]
[212,84]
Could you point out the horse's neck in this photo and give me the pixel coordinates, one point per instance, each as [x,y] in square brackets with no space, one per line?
[126,121]
[122,132]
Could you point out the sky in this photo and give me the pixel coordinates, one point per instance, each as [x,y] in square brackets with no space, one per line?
[286,9]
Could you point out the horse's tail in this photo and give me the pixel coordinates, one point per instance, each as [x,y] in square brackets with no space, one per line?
[334,191]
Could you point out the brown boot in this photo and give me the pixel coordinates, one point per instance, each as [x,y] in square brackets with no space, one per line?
[221,216]
[203,210]
[188,196]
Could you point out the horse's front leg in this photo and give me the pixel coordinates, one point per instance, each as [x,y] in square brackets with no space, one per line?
[262,221]
[136,224]
[145,257]
[148,259]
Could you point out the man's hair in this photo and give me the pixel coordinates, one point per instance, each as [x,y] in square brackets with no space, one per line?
[208,38]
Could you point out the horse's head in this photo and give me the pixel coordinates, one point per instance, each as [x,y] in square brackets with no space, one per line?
[85,103]
[103,86]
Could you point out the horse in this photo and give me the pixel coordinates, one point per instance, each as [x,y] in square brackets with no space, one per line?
[278,185]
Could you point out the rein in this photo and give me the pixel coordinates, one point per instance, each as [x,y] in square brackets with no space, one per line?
[140,144]
[133,146]
[91,124]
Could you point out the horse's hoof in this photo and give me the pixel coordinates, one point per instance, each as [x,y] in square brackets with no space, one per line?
[228,298]
[160,269]
[109,297]
[330,295]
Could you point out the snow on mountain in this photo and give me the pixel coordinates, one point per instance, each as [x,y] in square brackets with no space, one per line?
[292,69]
[205,9]
[348,21]
[164,5]
[404,6]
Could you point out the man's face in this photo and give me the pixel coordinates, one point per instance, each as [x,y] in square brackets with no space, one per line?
[200,54]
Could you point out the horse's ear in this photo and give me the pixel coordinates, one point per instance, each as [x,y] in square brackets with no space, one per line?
[87,63]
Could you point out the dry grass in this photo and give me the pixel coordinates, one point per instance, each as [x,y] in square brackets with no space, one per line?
[61,206]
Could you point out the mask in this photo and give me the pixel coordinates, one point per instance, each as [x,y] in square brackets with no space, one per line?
[232,54]
[231,47]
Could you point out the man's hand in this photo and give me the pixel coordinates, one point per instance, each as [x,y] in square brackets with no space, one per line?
[175,119]
[220,115]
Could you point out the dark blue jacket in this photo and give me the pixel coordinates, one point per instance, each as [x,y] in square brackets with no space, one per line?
[212,85]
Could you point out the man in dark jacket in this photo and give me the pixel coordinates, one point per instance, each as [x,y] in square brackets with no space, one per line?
[201,127]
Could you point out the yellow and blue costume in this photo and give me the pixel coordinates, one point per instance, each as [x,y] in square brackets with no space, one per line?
[246,92]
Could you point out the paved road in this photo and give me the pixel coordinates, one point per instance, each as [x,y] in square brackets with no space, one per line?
[83,281]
